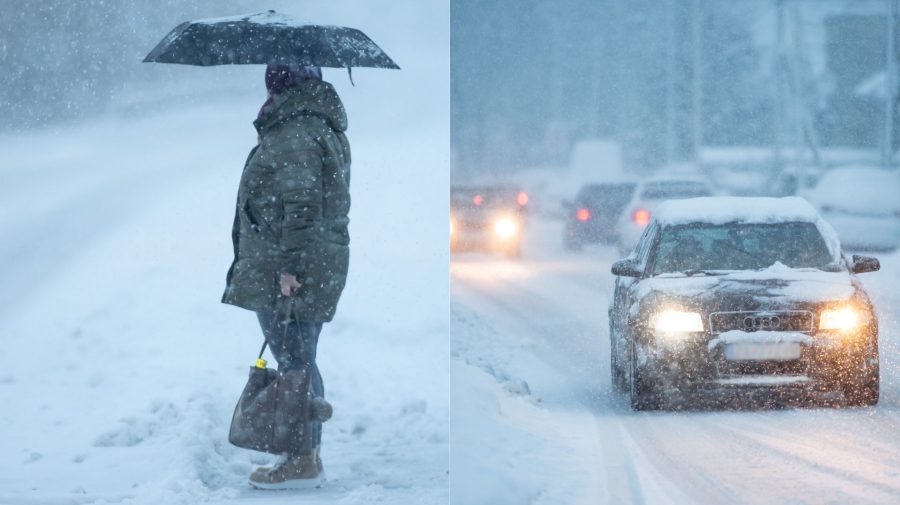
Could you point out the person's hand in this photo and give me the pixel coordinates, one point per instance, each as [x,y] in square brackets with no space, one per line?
[289,284]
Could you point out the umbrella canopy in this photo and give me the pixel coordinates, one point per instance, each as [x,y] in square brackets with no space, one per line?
[267,38]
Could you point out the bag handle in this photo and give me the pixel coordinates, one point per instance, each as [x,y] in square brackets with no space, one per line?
[263,350]
[261,363]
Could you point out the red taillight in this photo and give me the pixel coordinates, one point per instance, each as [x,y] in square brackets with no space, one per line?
[583,215]
[522,198]
[641,217]
[478,200]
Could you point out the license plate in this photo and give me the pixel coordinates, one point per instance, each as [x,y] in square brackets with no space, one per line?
[774,351]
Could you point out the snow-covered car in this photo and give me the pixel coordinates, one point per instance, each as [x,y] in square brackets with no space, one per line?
[591,218]
[863,205]
[648,195]
[487,218]
[730,292]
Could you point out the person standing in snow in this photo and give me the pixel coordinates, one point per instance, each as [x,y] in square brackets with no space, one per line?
[291,243]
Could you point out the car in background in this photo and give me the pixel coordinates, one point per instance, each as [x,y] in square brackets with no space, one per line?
[592,216]
[647,196]
[731,293]
[862,204]
[488,218]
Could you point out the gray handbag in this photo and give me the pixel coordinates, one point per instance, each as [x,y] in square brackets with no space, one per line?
[272,412]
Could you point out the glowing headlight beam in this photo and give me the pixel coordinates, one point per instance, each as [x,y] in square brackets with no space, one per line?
[845,319]
[505,228]
[676,321]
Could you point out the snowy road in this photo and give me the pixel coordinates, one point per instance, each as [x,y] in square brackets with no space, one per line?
[543,322]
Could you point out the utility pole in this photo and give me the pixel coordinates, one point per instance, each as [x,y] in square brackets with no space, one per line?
[778,114]
[696,80]
[890,84]
[670,82]
[806,127]
[598,45]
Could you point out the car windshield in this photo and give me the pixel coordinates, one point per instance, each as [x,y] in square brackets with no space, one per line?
[667,190]
[737,246]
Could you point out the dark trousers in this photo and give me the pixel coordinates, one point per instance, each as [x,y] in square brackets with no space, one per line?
[295,349]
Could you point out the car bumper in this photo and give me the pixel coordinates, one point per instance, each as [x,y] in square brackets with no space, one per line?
[467,239]
[825,362]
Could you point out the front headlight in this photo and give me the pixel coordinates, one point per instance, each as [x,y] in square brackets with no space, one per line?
[676,321]
[843,319]
[506,228]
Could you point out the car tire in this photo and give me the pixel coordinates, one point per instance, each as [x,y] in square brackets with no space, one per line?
[644,391]
[864,391]
[616,374]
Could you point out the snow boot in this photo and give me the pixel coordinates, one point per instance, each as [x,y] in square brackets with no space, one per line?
[280,461]
[293,472]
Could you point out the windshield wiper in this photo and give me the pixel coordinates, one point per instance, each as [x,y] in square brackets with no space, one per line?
[692,272]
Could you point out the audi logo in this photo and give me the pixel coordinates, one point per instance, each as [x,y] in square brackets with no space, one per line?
[753,323]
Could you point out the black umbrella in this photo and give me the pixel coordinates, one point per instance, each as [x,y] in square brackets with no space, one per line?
[264,38]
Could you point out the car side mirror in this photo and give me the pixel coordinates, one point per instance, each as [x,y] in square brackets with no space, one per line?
[863,264]
[626,268]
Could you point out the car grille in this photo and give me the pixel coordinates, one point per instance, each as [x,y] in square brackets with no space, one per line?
[793,320]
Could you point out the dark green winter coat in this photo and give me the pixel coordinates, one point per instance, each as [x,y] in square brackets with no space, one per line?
[292,206]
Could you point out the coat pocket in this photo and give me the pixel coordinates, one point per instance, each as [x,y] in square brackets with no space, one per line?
[263,213]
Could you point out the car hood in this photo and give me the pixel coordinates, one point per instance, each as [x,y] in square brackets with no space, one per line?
[777,287]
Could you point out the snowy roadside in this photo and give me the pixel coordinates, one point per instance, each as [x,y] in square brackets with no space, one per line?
[122,366]
[507,445]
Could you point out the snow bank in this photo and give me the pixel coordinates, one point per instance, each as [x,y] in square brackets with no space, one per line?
[505,446]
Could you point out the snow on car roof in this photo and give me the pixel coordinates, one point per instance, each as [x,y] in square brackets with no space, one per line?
[269,17]
[736,209]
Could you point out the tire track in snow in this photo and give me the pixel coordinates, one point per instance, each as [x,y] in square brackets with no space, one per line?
[816,454]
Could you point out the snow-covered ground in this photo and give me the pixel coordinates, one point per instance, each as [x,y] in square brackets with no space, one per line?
[122,368]
[535,421]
